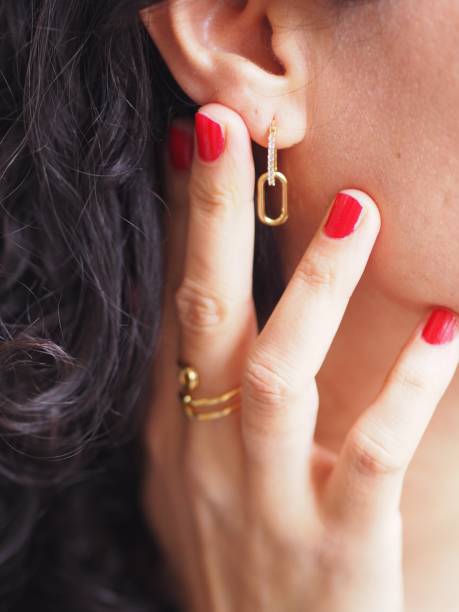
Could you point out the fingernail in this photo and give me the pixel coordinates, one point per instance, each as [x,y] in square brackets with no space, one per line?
[441,327]
[210,138]
[343,217]
[180,148]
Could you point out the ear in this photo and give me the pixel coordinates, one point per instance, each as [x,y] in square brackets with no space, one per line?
[239,53]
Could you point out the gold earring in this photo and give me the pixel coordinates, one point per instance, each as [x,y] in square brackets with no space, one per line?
[270,177]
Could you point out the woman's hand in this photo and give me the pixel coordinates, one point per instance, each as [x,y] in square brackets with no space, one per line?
[253,514]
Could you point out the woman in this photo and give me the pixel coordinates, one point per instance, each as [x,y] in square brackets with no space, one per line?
[126,272]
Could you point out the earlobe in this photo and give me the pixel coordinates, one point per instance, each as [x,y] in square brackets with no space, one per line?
[235,54]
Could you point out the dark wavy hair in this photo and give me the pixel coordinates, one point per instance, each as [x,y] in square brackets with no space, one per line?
[84,107]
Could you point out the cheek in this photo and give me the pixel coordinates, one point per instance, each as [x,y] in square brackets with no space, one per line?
[386,121]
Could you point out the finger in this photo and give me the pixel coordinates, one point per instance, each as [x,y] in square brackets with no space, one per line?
[279,389]
[165,422]
[214,300]
[368,476]
[178,161]
[177,166]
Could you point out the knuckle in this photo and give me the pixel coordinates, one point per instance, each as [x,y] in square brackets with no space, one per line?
[155,448]
[159,448]
[263,385]
[194,478]
[316,271]
[204,483]
[193,469]
[209,198]
[373,454]
[332,556]
[197,309]
[413,380]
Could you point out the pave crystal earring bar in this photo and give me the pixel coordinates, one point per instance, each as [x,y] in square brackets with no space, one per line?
[270,177]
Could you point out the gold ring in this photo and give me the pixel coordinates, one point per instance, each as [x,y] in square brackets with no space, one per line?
[189,381]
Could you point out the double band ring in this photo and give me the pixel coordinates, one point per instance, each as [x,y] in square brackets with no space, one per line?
[202,409]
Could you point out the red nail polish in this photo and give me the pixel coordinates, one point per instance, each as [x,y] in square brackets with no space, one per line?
[343,216]
[441,327]
[180,148]
[210,138]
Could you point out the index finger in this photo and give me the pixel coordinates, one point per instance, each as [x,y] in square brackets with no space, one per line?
[279,377]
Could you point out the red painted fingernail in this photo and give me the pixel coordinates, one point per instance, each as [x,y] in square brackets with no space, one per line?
[343,216]
[210,138]
[441,327]
[180,148]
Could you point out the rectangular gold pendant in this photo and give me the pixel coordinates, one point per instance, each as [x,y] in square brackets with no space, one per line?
[283,216]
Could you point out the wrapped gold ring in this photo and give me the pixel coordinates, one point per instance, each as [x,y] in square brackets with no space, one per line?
[195,409]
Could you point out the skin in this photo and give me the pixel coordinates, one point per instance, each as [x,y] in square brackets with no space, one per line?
[367,100]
